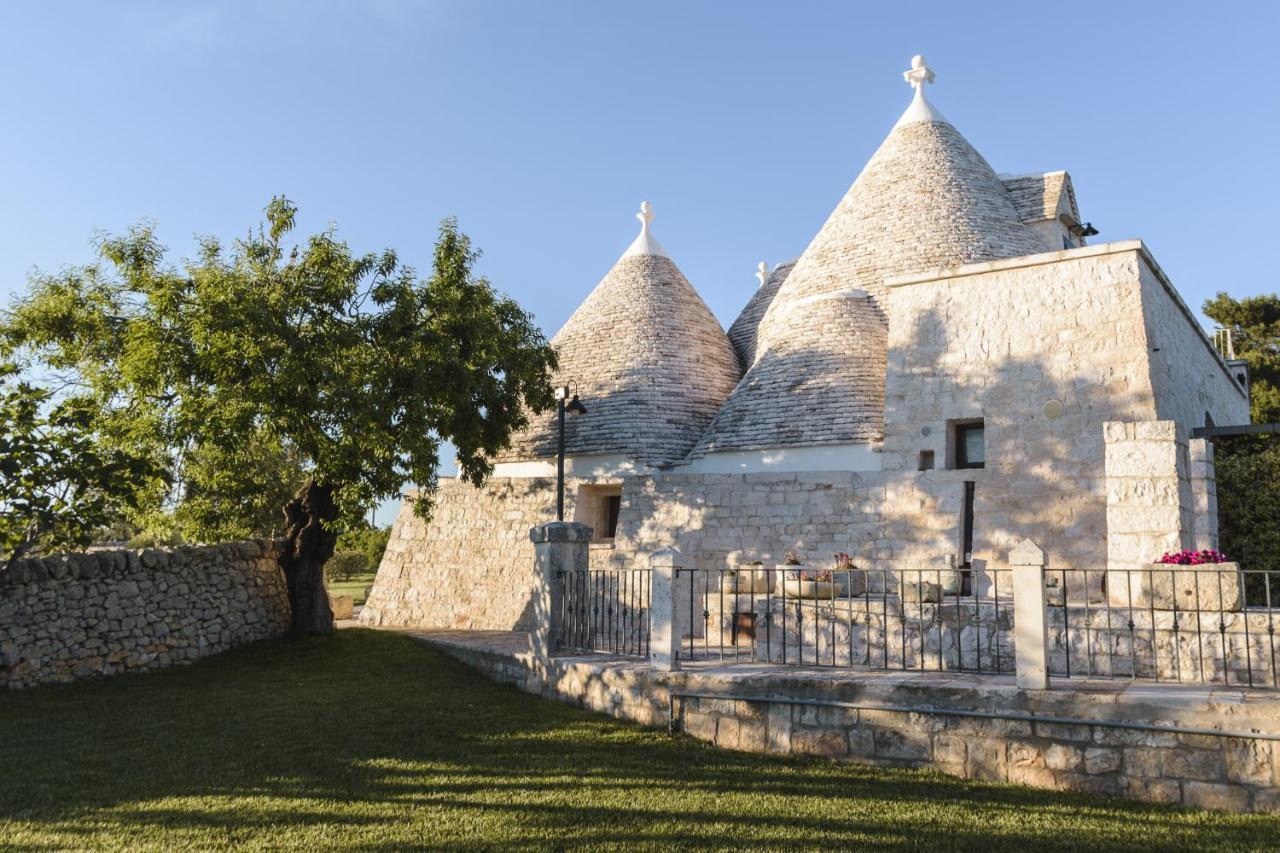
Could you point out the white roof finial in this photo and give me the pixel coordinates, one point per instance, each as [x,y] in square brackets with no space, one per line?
[762,272]
[919,73]
[645,244]
[645,215]
[920,110]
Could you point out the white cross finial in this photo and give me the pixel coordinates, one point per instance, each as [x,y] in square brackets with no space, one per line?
[645,216]
[918,74]
[762,272]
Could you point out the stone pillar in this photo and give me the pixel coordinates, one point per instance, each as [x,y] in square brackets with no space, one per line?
[664,635]
[1030,616]
[1204,494]
[558,547]
[1150,506]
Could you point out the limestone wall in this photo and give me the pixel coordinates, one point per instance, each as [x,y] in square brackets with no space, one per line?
[471,565]
[1102,741]
[1190,381]
[75,616]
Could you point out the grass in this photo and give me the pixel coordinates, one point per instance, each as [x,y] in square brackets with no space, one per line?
[371,740]
[355,587]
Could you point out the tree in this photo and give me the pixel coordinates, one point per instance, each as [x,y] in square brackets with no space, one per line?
[349,364]
[1247,467]
[1255,329]
[58,485]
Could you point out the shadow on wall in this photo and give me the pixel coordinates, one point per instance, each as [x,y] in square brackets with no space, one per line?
[1044,477]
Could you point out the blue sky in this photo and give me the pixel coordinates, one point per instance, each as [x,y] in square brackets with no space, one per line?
[543,125]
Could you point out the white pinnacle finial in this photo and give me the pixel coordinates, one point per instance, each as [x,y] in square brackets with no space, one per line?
[762,272]
[918,74]
[645,216]
[920,110]
[645,244]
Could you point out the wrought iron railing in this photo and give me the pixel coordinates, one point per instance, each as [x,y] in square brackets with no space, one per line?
[912,619]
[1211,624]
[604,611]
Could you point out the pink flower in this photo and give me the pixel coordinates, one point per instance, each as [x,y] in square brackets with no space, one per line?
[1187,557]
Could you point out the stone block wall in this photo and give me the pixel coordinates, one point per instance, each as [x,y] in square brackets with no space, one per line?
[73,616]
[1103,742]
[471,565]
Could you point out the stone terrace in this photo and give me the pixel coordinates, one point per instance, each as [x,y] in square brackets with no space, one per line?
[1111,737]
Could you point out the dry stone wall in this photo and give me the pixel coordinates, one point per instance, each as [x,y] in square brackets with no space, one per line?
[73,616]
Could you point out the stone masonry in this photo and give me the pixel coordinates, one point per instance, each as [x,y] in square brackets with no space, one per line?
[74,616]
[1221,753]
[651,358]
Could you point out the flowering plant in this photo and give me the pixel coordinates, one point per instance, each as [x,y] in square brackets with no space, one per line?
[844,562]
[790,558]
[1188,557]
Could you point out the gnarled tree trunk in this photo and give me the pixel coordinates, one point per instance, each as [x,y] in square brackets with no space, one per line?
[309,543]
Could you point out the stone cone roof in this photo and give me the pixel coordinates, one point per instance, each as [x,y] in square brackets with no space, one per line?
[926,200]
[742,334]
[650,362]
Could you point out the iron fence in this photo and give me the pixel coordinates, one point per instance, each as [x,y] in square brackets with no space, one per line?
[1210,624]
[604,611]
[914,619]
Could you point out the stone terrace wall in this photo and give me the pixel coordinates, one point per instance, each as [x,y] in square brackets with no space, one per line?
[1095,741]
[75,616]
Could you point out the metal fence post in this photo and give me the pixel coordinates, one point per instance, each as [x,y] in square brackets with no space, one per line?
[1030,616]
[664,637]
[559,547]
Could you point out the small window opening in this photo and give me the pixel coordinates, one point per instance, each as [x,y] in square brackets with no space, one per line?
[968,444]
[926,460]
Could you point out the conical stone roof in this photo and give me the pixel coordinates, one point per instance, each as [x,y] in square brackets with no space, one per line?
[925,200]
[647,358]
[742,334]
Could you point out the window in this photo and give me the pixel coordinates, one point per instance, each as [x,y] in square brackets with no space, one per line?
[598,506]
[926,460]
[968,444]
[613,503]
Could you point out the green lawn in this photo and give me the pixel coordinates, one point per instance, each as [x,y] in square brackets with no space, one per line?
[371,740]
[354,587]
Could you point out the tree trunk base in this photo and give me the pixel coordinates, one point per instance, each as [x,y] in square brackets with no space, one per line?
[309,543]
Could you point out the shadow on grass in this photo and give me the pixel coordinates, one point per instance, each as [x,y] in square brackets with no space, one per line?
[370,739]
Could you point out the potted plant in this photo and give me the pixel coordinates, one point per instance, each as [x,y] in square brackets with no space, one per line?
[746,579]
[1180,580]
[801,580]
[848,578]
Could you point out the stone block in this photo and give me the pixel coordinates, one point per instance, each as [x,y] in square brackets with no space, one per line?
[986,760]
[727,732]
[1199,764]
[1099,760]
[1151,790]
[902,745]
[1211,795]
[1249,762]
[830,743]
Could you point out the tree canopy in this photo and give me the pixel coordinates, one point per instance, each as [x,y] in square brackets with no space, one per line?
[260,357]
[1255,328]
[58,485]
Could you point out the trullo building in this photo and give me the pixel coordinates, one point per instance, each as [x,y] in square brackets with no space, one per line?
[946,369]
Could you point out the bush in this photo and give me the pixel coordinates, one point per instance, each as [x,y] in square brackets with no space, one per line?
[369,541]
[1248,474]
[344,565]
